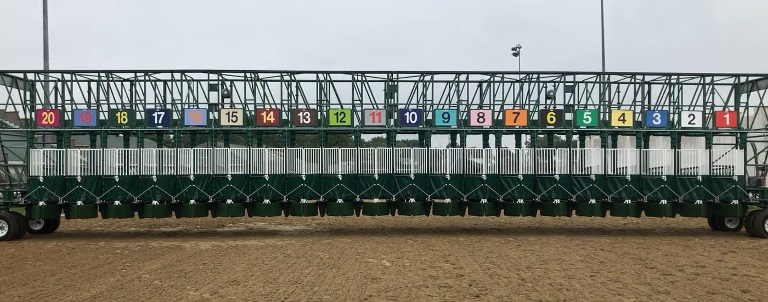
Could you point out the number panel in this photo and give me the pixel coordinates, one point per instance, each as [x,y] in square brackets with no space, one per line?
[691,119]
[85,117]
[231,117]
[304,117]
[622,118]
[587,118]
[725,119]
[551,117]
[410,117]
[268,117]
[656,118]
[47,117]
[340,117]
[374,117]
[121,118]
[516,117]
[481,117]
[158,117]
[195,117]
[446,117]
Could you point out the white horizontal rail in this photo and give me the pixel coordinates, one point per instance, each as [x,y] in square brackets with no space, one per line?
[373,161]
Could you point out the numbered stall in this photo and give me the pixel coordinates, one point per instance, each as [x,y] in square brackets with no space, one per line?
[376,183]
[446,180]
[230,182]
[411,170]
[553,182]
[267,179]
[446,170]
[46,183]
[622,183]
[339,173]
[587,168]
[727,167]
[516,174]
[340,180]
[481,178]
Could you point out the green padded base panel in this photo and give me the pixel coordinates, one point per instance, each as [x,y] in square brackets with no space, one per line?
[652,186]
[309,187]
[520,209]
[659,210]
[481,209]
[621,189]
[370,187]
[260,209]
[585,188]
[88,189]
[406,188]
[197,189]
[39,191]
[513,188]
[625,210]
[693,210]
[333,188]
[411,208]
[272,188]
[155,211]
[446,208]
[162,190]
[691,189]
[587,209]
[554,209]
[476,188]
[86,211]
[728,189]
[121,189]
[234,187]
[340,209]
[43,212]
[375,208]
[550,188]
[188,210]
[442,187]
[729,210]
[113,211]
[303,209]
[228,210]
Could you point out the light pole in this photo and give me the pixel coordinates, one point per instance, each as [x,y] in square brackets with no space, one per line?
[45,51]
[516,53]
[602,31]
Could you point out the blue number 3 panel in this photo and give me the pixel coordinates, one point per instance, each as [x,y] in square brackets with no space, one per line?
[656,118]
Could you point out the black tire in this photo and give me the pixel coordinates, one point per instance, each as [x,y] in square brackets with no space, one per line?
[9,227]
[55,223]
[749,223]
[729,224]
[37,226]
[760,224]
[712,224]
[22,231]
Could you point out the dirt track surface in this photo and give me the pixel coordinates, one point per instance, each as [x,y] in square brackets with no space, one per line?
[385,258]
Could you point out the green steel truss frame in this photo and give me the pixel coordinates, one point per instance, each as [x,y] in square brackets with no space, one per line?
[22,93]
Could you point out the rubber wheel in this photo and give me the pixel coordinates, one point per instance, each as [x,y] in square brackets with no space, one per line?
[760,224]
[712,224]
[749,223]
[9,227]
[37,226]
[22,231]
[729,224]
[55,223]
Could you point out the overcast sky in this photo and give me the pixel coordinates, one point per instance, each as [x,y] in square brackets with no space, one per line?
[641,35]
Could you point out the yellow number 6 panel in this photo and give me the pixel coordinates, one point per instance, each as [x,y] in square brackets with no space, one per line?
[622,118]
